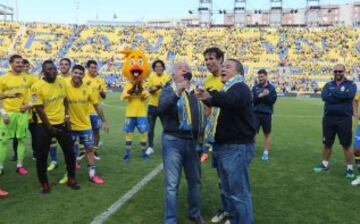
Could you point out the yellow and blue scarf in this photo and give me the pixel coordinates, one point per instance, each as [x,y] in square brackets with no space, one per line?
[212,121]
[184,110]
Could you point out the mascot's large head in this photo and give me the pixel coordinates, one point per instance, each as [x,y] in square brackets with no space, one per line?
[135,67]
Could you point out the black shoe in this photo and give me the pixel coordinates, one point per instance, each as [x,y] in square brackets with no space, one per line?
[45,188]
[198,220]
[72,183]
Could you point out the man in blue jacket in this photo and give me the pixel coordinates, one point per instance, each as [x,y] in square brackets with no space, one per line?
[264,97]
[338,96]
[179,112]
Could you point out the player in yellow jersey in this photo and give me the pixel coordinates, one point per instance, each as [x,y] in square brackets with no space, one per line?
[49,98]
[98,85]
[64,67]
[79,96]
[31,79]
[15,97]
[135,114]
[214,58]
[157,81]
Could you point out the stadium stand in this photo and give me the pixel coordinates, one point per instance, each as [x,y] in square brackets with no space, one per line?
[298,59]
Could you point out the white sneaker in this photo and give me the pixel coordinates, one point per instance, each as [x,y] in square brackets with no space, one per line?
[219,216]
[96,156]
[356,182]
[149,151]
[227,221]
[81,156]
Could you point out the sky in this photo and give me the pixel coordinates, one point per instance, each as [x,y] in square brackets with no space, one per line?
[80,11]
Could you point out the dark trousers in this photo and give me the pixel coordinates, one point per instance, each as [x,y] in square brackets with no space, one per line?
[43,145]
[152,115]
[32,129]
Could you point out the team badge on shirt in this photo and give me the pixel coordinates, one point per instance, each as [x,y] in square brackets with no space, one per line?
[34,97]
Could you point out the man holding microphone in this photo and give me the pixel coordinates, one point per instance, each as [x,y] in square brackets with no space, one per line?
[179,112]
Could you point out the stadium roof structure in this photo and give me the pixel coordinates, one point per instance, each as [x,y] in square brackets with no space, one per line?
[6,11]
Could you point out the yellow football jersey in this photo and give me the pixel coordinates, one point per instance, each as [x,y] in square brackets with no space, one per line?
[136,107]
[32,79]
[357,97]
[51,96]
[79,99]
[96,84]
[67,78]
[212,82]
[155,80]
[10,83]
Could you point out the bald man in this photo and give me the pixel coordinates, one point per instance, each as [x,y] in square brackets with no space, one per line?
[338,96]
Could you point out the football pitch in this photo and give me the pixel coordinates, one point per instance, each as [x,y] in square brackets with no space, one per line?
[284,189]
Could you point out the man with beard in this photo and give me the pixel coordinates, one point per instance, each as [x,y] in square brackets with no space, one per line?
[214,58]
[64,67]
[48,97]
[264,96]
[79,96]
[31,79]
[15,96]
[338,96]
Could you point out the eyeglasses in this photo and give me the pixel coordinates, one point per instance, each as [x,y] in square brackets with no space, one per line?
[338,71]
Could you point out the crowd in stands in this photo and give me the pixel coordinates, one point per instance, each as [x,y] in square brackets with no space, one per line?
[298,59]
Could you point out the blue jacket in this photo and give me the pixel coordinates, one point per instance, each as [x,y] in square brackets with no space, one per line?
[169,116]
[338,99]
[264,105]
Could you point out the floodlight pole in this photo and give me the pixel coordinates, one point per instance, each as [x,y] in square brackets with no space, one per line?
[312,13]
[240,13]
[205,12]
[276,12]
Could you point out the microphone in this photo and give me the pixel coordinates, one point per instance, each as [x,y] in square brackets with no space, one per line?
[188,76]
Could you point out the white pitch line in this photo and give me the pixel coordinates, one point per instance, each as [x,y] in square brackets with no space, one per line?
[121,201]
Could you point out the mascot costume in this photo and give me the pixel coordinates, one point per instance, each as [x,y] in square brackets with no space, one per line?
[136,69]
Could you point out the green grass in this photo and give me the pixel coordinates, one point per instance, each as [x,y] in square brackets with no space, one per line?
[284,189]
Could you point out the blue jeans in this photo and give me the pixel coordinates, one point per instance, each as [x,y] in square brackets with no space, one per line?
[233,163]
[152,115]
[180,153]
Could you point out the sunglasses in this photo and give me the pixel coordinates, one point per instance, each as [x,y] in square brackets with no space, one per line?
[338,71]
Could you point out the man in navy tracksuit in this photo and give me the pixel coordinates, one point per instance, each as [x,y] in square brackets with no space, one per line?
[264,97]
[338,96]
